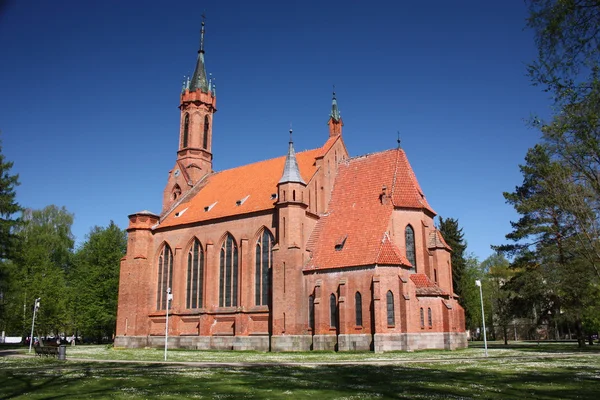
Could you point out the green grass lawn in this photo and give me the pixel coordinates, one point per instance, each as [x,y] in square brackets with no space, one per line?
[525,371]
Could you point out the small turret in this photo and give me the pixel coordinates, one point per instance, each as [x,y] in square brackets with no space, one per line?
[291,172]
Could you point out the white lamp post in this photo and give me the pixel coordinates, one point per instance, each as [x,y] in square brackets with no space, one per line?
[35,308]
[169,298]
[478,283]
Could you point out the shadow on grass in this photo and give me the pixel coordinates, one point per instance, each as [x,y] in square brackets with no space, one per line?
[539,347]
[486,379]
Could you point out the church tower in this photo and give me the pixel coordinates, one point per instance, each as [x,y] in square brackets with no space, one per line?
[194,155]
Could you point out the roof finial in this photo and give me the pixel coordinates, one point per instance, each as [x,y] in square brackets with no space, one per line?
[398,140]
[291,141]
[202,34]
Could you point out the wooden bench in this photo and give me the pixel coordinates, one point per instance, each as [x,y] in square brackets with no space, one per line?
[46,351]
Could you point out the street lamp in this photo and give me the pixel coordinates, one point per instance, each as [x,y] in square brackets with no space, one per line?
[35,308]
[478,283]
[169,298]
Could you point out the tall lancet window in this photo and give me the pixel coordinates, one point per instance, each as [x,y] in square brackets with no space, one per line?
[206,127]
[332,311]
[409,236]
[358,308]
[228,281]
[186,130]
[195,276]
[391,318]
[263,265]
[165,277]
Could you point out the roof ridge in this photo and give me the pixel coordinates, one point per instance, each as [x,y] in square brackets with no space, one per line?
[266,160]
[367,155]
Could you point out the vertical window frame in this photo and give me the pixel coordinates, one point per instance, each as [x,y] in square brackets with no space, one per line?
[333,314]
[195,276]
[186,131]
[228,273]
[358,309]
[165,276]
[391,314]
[409,241]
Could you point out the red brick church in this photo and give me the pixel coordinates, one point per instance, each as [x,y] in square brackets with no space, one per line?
[309,251]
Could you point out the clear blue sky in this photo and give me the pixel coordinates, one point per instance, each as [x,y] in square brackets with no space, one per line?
[89,94]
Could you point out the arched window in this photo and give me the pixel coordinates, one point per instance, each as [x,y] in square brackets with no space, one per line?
[165,277]
[263,265]
[228,280]
[186,129]
[422,318]
[435,275]
[332,311]
[409,235]
[206,126]
[195,276]
[358,308]
[311,312]
[429,319]
[391,319]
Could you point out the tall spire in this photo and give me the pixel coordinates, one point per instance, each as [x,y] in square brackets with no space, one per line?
[291,172]
[335,119]
[335,112]
[199,80]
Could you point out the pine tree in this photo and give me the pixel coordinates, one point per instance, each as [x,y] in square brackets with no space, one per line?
[9,220]
[9,208]
[454,236]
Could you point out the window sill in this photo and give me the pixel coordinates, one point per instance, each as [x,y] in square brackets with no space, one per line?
[358,328]
[391,326]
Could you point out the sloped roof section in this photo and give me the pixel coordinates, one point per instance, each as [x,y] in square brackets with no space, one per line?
[406,191]
[389,254]
[436,241]
[237,191]
[424,286]
[357,212]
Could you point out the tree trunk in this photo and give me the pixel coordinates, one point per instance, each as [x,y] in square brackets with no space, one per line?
[579,330]
[505,333]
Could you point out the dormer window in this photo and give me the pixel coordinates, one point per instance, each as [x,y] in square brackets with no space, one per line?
[339,245]
[208,208]
[180,213]
[241,201]
[273,196]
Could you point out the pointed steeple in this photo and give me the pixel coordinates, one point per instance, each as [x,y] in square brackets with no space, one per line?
[335,112]
[291,172]
[199,80]
[335,119]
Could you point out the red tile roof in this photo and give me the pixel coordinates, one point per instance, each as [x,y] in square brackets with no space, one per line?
[436,241]
[425,287]
[254,182]
[406,190]
[389,254]
[357,211]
